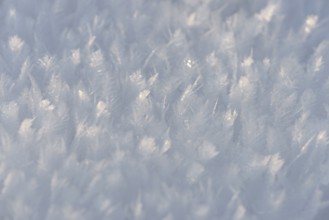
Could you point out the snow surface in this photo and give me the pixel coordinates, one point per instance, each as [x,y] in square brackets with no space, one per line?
[167,109]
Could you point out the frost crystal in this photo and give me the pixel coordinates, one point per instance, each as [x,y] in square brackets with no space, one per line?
[143,94]
[244,82]
[166,146]
[189,63]
[83,96]
[267,13]
[318,64]
[15,43]
[207,151]
[96,58]
[45,104]
[310,23]
[26,129]
[275,163]
[172,109]
[101,108]
[266,61]
[75,56]
[148,146]
[46,62]
[247,62]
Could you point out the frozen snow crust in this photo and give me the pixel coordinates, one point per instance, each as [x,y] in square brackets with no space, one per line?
[168,109]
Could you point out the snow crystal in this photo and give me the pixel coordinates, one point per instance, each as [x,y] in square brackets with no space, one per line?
[207,151]
[46,62]
[83,96]
[26,129]
[230,117]
[101,108]
[318,64]
[212,59]
[45,104]
[10,110]
[272,162]
[96,58]
[310,23]
[244,82]
[247,61]
[166,146]
[75,56]
[15,43]
[138,79]
[266,61]
[276,163]
[177,109]
[189,63]
[143,94]
[191,20]
[322,136]
[267,13]
[153,79]
[148,146]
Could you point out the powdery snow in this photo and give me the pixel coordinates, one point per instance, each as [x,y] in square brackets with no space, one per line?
[168,109]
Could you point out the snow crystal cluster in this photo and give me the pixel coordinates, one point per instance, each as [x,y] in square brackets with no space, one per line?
[167,109]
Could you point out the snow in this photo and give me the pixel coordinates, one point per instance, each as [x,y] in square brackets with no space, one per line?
[169,109]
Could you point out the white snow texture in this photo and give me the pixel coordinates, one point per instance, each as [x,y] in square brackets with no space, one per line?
[164,109]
